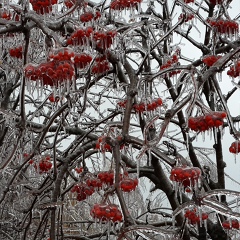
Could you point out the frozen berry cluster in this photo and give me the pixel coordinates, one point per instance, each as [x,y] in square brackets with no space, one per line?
[128,184]
[104,39]
[189,1]
[52,98]
[120,5]
[51,73]
[235,147]
[187,176]
[86,188]
[80,37]
[106,212]
[82,190]
[9,15]
[171,63]
[142,106]
[206,122]
[82,60]
[231,224]
[69,3]
[101,39]
[62,54]
[102,145]
[122,104]
[234,71]
[5,14]
[78,169]
[16,52]
[43,6]
[186,16]
[193,217]
[224,26]
[151,106]
[101,65]
[209,60]
[94,182]
[106,177]
[44,165]
[89,16]
[216,2]
[105,147]
[58,69]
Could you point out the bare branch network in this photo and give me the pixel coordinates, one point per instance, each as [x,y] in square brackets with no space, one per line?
[114,119]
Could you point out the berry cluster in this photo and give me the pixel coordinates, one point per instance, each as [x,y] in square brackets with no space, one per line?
[124,4]
[44,165]
[88,187]
[128,184]
[86,17]
[141,107]
[101,65]
[170,63]
[206,122]
[94,182]
[105,147]
[232,224]
[193,217]
[122,104]
[16,52]
[69,3]
[65,54]
[102,145]
[186,16]
[89,16]
[106,212]
[62,54]
[234,71]
[216,2]
[235,147]
[82,190]
[79,170]
[5,14]
[151,106]
[106,177]
[43,6]
[59,68]
[101,39]
[80,37]
[187,176]
[222,26]
[104,39]
[210,59]
[51,73]
[189,1]
[82,60]
[52,98]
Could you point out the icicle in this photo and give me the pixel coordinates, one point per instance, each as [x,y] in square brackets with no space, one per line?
[200,215]
[180,189]
[138,167]
[149,157]
[203,136]
[237,205]
[173,222]
[108,229]
[104,159]
[220,76]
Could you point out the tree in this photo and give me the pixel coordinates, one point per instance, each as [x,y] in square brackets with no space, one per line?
[104,117]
